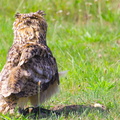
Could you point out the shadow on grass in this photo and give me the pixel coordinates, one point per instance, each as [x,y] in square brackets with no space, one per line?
[61,110]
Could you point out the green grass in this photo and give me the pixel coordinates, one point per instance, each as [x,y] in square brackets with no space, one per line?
[85,39]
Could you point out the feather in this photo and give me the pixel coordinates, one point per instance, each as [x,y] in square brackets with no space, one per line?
[63,73]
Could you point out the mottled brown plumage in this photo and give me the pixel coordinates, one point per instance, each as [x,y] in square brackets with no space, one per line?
[30,65]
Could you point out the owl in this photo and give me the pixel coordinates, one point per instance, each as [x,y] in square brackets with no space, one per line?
[30,73]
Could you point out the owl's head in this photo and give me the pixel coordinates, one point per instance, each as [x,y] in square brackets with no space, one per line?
[30,27]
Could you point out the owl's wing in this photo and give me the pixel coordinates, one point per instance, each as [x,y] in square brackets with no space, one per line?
[12,61]
[29,51]
[36,65]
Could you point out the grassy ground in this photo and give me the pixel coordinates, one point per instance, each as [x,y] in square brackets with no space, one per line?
[85,39]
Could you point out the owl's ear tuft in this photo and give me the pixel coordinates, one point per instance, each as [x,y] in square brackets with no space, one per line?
[17,15]
[40,12]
